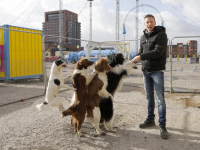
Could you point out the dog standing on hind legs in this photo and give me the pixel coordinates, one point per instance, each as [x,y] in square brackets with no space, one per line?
[56,81]
[80,97]
[115,81]
[97,89]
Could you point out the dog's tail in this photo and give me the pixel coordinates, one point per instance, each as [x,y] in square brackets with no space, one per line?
[40,106]
[67,112]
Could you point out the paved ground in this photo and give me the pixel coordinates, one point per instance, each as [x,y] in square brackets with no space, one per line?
[22,127]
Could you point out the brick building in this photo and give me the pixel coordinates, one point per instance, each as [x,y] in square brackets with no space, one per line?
[192,48]
[71,29]
[189,49]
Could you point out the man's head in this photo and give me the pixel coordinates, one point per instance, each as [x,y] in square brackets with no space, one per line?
[149,22]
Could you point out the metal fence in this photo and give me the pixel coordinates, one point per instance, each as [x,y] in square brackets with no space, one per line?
[184,70]
[21,64]
[180,75]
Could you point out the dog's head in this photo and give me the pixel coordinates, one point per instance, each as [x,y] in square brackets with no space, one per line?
[102,65]
[115,59]
[60,63]
[83,64]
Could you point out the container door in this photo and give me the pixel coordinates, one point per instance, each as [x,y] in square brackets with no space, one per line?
[2,68]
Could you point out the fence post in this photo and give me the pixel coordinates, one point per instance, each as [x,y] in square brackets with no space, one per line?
[170,71]
[44,60]
[99,50]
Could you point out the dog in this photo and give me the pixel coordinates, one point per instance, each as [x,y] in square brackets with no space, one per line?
[56,81]
[120,70]
[115,82]
[97,89]
[80,97]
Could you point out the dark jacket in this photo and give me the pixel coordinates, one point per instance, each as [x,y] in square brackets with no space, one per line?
[153,50]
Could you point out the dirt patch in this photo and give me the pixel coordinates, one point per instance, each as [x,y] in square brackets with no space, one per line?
[186,99]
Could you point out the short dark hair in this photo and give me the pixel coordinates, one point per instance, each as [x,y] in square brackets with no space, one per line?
[149,15]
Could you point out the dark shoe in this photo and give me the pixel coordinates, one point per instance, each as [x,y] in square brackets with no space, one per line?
[163,132]
[147,123]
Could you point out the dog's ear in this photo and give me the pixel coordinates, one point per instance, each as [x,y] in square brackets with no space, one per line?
[80,65]
[98,67]
[58,58]
[59,61]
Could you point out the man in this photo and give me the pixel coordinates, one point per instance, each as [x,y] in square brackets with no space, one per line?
[152,54]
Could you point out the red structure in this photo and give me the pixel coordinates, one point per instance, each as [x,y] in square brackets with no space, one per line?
[189,49]
[192,48]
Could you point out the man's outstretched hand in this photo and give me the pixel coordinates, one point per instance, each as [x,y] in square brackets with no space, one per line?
[136,59]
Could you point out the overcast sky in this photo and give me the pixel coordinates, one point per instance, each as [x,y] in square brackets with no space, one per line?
[181,17]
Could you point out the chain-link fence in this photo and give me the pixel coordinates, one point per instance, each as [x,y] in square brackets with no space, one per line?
[185,68]
[21,64]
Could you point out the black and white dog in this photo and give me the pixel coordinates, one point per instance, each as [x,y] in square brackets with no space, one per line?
[115,81]
[56,81]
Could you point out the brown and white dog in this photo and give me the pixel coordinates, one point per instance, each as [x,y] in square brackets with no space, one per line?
[97,90]
[80,97]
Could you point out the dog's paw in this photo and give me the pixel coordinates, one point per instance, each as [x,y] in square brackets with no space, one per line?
[61,109]
[103,133]
[94,72]
[81,135]
[134,66]
[95,135]
[129,62]
[111,96]
[74,89]
[113,130]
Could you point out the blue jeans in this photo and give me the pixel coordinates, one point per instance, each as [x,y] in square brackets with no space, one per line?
[155,80]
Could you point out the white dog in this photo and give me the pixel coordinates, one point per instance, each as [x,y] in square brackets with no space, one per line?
[56,81]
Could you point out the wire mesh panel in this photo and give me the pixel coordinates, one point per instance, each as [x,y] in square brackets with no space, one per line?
[185,64]
[21,64]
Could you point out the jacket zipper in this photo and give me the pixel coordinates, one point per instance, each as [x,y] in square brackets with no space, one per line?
[146,47]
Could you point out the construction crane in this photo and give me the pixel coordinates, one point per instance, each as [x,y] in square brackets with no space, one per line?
[60,26]
[117,19]
[90,31]
[136,25]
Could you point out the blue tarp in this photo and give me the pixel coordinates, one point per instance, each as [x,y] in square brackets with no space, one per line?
[72,56]
[96,52]
[132,54]
[77,55]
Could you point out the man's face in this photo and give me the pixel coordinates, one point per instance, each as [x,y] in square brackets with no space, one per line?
[149,23]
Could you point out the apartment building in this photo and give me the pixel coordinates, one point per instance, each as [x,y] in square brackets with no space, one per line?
[71,28]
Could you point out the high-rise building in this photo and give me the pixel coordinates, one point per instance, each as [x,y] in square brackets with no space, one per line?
[71,29]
